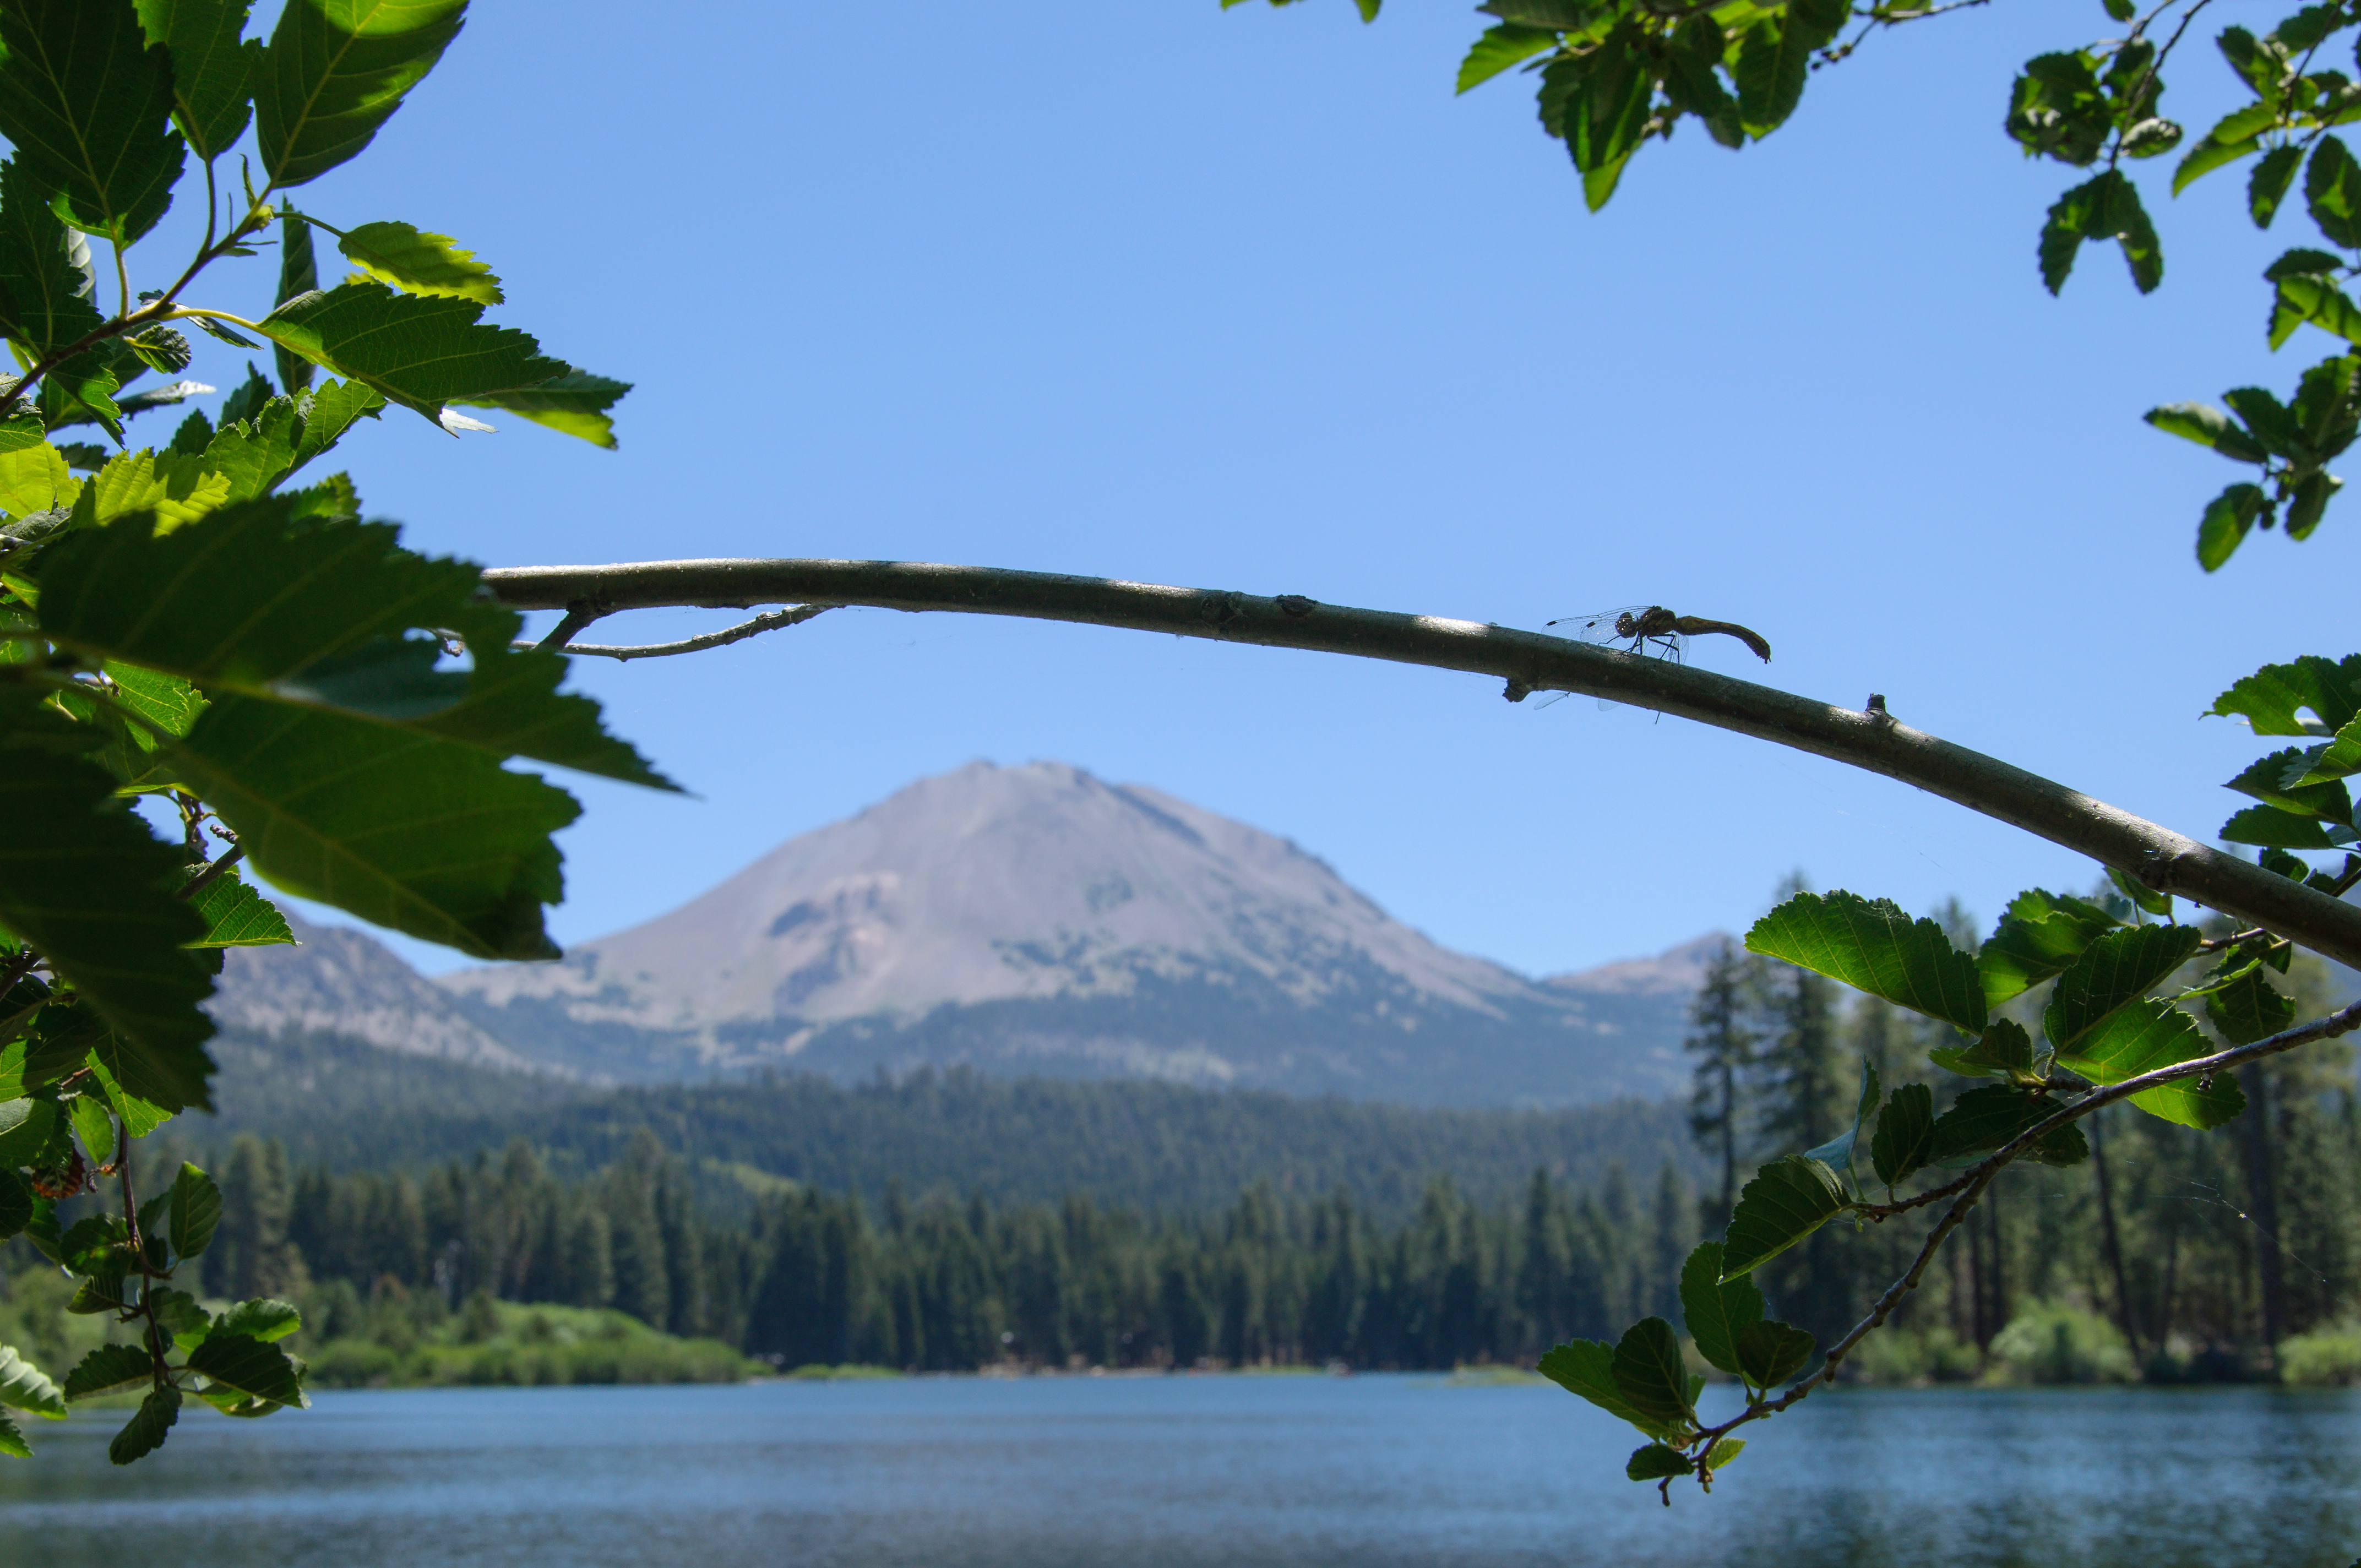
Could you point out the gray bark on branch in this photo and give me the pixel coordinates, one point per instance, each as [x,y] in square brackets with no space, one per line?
[1527,660]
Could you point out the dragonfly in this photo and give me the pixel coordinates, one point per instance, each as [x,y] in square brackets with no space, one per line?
[1650,630]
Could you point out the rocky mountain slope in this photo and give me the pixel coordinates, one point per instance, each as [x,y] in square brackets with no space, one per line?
[1030,919]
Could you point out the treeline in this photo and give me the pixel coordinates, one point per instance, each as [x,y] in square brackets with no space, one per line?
[949,1283]
[2204,1251]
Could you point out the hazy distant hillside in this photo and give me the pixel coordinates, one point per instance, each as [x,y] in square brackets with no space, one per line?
[1158,1145]
[1027,921]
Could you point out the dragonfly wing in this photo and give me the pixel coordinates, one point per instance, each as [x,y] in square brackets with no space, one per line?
[1597,627]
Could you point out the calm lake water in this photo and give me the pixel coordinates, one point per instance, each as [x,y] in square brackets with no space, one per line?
[1157,1472]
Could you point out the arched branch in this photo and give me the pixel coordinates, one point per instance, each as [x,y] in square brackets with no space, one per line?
[1526,661]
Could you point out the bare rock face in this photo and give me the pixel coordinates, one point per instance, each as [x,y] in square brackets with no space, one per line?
[1027,919]
[340,982]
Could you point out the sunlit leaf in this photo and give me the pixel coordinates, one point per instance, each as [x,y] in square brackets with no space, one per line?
[88,107]
[1874,947]
[1787,1200]
[333,72]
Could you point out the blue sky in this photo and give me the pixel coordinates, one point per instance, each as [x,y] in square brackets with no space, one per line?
[1250,301]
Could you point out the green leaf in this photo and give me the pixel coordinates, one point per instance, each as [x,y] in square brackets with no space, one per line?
[34,478]
[44,298]
[2039,936]
[2106,206]
[2267,187]
[146,1431]
[174,489]
[196,1211]
[1587,1366]
[95,1122]
[258,455]
[408,831]
[2118,969]
[2144,1037]
[2139,895]
[88,105]
[257,1370]
[12,1438]
[16,1202]
[254,599]
[1499,49]
[165,701]
[1984,1119]
[93,891]
[573,404]
[2308,297]
[2208,427]
[26,1127]
[159,348]
[1787,1200]
[179,1314]
[24,1386]
[2270,699]
[1905,1133]
[2268,779]
[109,1369]
[140,1117]
[1774,58]
[1837,1152]
[2269,826]
[211,66]
[2331,188]
[237,916]
[2006,1051]
[263,1319]
[1770,1353]
[1874,947]
[1656,1461]
[420,263]
[2244,1008]
[1713,1309]
[1652,1377]
[298,273]
[416,350]
[2228,142]
[336,71]
[2340,758]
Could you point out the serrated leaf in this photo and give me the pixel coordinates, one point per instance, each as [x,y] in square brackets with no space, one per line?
[2267,780]
[333,72]
[2243,1005]
[1787,1200]
[258,455]
[1874,947]
[418,263]
[2271,699]
[298,273]
[2120,968]
[1714,1309]
[2270,827]
[1905,1134]
[1587,1366]
[24,1386]
[237,916]
[1774,58]
[1984,1119]
[160,350]
[2208,427]
[2267,187]
[146,1431]
[410,832]
[1770,1353]
[2227,520]
[140,1117]
[1500,48]
[196,1211]
[2144,1038]
[93,891]
[2341,758]
[263,1318]
[2332,189]
[34,479]
[45,296]
[416,350]
[109,1369]
[255,600]
[12,1438]
[26,1127]
[1656,1461]
[1724,1451]
[96,1124]
[174,488]
[2038,939]
[573,404]
[212,67]
[17,1205]
[2139,895]
[1652,1377]
[165,701]
[238,1361]
[87,104]
[2006,1051]
[180,1317]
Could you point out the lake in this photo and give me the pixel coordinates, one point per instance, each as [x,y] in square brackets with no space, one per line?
[1280,1472]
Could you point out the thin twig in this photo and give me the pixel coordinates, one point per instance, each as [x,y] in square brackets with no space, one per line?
[1526,661]
[140,1254]
[577,617]
[770,622]
[214,869]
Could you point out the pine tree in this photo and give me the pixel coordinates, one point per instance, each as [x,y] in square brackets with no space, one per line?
[1724,1042]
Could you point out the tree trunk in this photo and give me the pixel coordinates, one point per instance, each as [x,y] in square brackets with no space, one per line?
[2107,1230]
[2262,1207]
